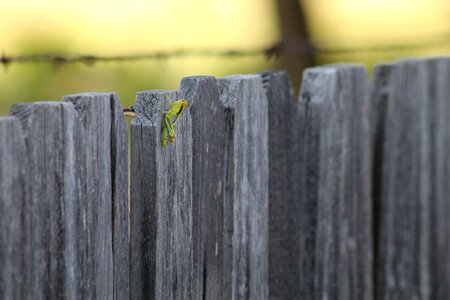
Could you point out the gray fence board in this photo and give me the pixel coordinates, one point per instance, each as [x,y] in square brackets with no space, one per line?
[161,203]
[245,94]
[402,240]
[48,129]
[336,245]
[212,279]
[439,116]
[96,125]
[143,214]
[15,249]
[284,198]
[311,102]
[120,211]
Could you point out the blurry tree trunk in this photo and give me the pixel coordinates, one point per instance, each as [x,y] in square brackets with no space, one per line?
[295,51]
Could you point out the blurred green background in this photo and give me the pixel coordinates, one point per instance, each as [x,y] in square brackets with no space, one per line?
[395,28]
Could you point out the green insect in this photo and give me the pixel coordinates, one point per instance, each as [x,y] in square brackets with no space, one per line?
[170,119]
[169,123]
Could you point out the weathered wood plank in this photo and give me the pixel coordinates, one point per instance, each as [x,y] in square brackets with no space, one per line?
[143,199]
[49,133]
[312,99]
[120,211]
[210,142]
[96,126]
[245,95]
[439,116]
[336,214]
[14,212]
[161,203]
[284,198]
[402,205]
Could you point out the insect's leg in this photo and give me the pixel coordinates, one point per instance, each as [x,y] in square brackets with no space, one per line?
[164,136]
[169,125]
[173,135]
[177,117]
[171,104]
[176,120]
[179,113]
[170,101]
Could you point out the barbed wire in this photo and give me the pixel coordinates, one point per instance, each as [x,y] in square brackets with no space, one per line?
[282,48]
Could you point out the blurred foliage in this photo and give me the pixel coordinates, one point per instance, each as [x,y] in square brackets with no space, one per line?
[208,24]
[101,27]
[44,81]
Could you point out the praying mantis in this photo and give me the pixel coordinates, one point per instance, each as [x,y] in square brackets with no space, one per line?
[169,123]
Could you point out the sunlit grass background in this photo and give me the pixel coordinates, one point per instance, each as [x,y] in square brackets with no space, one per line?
[100,27]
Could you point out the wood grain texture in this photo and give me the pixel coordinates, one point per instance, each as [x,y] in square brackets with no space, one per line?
[14,216]
[95,117]
[120,211]
[336,214]
[162,265]
[439,116]
[49,133]
[284,187]
[312,98]
[210,142]
[246,96]
[402,205]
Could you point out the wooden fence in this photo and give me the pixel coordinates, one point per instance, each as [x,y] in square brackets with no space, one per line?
[344,194]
